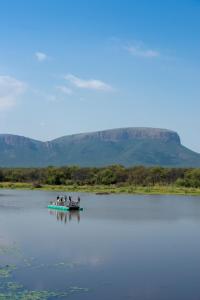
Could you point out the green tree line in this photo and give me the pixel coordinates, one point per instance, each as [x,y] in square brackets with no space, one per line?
[116,174]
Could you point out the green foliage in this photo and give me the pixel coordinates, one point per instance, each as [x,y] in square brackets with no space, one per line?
[191,179]
[112,175]
[106,176]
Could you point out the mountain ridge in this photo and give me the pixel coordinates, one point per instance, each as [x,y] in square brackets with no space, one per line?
[124,133]
[128,146]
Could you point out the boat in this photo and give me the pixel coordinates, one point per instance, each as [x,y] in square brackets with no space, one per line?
[65,203]
[63,207]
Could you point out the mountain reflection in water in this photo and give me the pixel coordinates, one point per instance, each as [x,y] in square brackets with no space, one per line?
[66,217]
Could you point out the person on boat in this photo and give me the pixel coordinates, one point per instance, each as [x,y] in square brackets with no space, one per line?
[79,199]
[62,200]
[57,200]
[70,201]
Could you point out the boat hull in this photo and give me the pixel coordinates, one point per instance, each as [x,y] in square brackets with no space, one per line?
[65,208]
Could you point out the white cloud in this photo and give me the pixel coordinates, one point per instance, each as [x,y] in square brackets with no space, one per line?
[90,84]
[10,90]
[41,56]
[138,50]
[65,90]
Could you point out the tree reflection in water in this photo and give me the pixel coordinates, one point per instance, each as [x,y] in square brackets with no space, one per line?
[64,216]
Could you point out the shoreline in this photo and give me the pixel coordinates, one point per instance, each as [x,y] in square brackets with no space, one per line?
[105,190]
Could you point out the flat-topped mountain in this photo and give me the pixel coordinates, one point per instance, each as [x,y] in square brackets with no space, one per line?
[123,134]
[126,146]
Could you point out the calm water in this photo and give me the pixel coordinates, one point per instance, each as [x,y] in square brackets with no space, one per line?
[119,247]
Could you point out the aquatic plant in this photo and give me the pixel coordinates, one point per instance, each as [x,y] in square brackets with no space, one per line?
[24,294]
[6,271]
[14,290]
[7,249]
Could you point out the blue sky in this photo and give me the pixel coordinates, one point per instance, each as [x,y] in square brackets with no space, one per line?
[72,66]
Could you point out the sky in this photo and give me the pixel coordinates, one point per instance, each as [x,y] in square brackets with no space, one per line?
[72,66]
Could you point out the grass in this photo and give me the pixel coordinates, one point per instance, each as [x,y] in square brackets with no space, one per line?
[106,189]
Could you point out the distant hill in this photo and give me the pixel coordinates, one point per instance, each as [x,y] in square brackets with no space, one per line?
[126,146]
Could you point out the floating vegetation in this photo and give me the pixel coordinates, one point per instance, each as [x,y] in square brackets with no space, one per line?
[74,289]
[24,294]
[70,265]
[9,249]
[28,262]
[6,271]
[13,290]
[31,295]
[13,286]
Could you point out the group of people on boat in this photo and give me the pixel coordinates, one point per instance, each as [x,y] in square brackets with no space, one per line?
[67,201]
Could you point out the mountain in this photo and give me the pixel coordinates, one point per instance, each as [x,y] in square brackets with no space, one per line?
[126,146]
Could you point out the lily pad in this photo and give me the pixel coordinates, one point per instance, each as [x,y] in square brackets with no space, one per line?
[6,271]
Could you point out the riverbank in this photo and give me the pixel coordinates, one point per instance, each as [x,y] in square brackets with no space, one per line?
[105,189]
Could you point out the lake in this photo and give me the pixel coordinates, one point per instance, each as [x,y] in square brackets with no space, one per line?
[118,247]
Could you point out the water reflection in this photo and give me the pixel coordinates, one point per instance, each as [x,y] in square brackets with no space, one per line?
[126,247]
[63,216]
